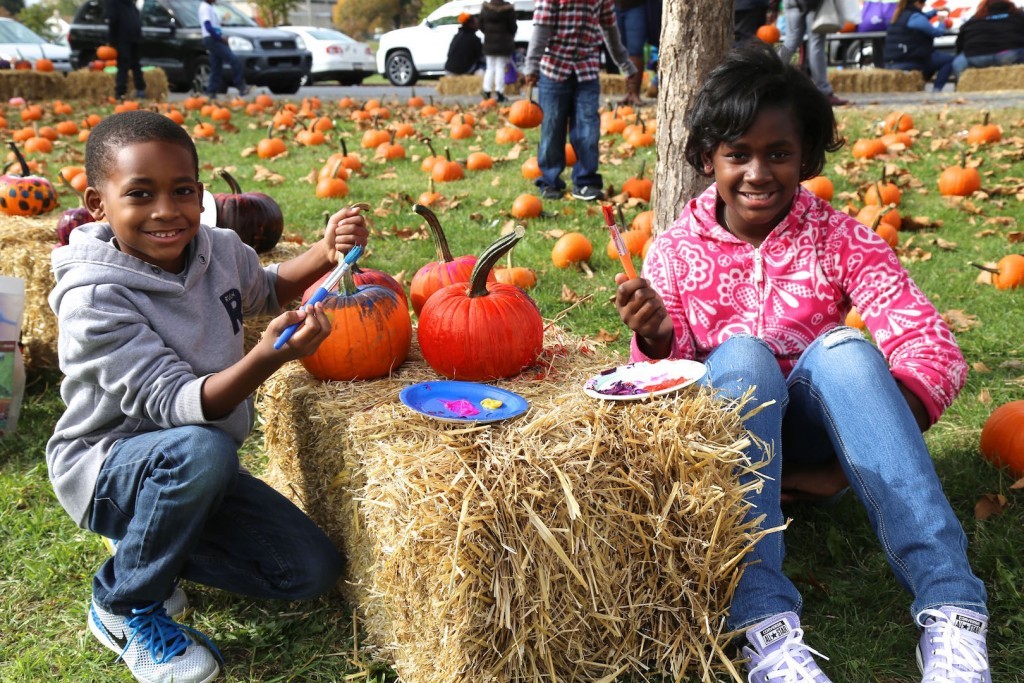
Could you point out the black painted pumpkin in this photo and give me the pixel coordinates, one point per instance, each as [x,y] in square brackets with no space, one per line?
[255,216]
[25,194]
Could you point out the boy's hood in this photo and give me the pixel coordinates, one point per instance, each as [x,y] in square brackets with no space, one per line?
[90,245]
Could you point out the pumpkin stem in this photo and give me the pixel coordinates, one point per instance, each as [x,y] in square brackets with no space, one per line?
[448,154]
[426,140]
[444,254]
[490,256]
[25,171]
[232,183]
[344,147]
[348,286]
[270,130]
[622,216]
[987,269]
[984,118]
[643,167]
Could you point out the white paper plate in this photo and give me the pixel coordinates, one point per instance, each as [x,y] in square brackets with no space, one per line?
[637,381]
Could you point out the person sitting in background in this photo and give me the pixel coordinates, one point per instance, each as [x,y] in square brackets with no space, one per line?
[466,52]
[994,36]
[910,43]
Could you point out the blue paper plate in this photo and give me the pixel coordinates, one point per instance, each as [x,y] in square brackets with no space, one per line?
[452,401]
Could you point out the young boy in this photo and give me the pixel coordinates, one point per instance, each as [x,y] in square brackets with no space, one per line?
[159,397]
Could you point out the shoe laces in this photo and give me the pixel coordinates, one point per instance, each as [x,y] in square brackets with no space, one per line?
[792,662]
[956,657]
[162,636]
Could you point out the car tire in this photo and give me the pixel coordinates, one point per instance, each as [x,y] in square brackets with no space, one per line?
[399,68]
[200,74]
[285,87]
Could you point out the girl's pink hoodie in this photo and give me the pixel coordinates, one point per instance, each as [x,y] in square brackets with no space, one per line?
[796,286]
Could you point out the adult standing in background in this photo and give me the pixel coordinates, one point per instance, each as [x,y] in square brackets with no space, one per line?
[748,16]
[125,25]
[564,58]
[910,43]
[217,46]
[498,24]
[631,18]
[800,16]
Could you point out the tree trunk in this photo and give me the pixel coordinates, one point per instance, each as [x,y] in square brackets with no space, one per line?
[695,35]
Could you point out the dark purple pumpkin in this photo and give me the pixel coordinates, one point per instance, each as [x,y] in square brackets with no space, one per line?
[255,216]
[69,220]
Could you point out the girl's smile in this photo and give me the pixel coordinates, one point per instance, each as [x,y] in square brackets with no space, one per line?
[758,174]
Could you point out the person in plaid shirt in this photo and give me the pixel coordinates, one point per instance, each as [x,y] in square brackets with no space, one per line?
[564,58]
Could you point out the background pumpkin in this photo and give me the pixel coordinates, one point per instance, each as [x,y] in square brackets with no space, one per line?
[255,216]
[489,331]
[25,194]
[1002,437]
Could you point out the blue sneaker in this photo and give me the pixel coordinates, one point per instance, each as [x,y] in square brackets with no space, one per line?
[952,648]
[778,652]
[155,647]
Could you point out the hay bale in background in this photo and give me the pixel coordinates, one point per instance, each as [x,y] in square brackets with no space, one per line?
[992,78]
[875,80]
[579,542]
[99,85]
[32,85]
[25,246]
[468,85]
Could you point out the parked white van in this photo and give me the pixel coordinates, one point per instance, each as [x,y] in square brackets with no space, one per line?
[406,54]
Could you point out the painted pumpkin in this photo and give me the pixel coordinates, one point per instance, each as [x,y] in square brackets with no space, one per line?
[486,331]
[444,271]
[25,194]
[370,333]
[255,216]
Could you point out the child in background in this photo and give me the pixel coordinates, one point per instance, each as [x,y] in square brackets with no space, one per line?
[159,390]
[755,279]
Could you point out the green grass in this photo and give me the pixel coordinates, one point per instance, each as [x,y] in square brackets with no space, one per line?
[855,612]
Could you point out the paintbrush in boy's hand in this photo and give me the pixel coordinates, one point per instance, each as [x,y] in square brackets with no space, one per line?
[321,293]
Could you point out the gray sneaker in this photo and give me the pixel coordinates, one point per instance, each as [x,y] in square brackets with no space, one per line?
[155,647]
[952,647]
[588,193]
[551,193]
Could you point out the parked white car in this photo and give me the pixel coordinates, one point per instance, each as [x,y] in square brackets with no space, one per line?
[20,42]
[406,54]
[336,56]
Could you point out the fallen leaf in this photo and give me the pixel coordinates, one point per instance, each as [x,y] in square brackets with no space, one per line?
[985,273]
[1015,237]
[945,245]
[990,505]
[553,234]
[490,201]
[1019,484]
[604,336]
[569,296]
[496,182]
[265,175]
[919,223]
[960,321]
[984,397]
[1012,365]
[980,368]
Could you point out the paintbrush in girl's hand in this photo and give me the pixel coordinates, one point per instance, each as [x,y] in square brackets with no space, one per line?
[620,246]
[321,293]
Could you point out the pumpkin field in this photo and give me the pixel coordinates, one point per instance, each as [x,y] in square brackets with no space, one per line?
[943,184]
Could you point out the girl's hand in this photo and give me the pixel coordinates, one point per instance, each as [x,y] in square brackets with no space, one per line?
[345,229]
[314,328]
[643,311]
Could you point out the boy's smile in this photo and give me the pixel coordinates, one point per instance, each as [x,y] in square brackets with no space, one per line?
[758,174]
[152,200]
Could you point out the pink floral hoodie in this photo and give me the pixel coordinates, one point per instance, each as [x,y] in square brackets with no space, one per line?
[796,286]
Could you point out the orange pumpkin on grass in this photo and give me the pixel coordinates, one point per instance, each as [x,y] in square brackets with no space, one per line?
[446,270]
[1002,437]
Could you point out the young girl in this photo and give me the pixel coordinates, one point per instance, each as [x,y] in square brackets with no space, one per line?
[755,279]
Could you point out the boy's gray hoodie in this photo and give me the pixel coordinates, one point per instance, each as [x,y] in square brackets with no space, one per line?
[135,344]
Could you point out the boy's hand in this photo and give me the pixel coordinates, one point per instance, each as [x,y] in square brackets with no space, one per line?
[643,311]
[314,328]
[345,229]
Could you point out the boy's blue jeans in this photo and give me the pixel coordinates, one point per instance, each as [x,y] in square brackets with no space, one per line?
[180,507]
[841,401]
[574,104]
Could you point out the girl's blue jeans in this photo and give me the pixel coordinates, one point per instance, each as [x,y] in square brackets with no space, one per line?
[840,400]
[573,103]
[180,506]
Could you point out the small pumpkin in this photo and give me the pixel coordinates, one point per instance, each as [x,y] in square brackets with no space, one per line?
[25,194]
[508,135]
[984,133]
[525,113]
[769,33]
[255,216]
[106,52]
[446,270]
[488,330]
[430,196]
[479,161]
[572,248]
[446,170]
[371,332]
[638,186]
[331,186]
[1002,437]
[868,148]
[526,206]
[639,137]
[1008,272]
[531,169]
[898,122]
[882,193]
[959,180]
[270,147]
[524,278]
[820,186]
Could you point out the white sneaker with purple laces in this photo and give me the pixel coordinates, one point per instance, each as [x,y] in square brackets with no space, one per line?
[778,653]
[952,647]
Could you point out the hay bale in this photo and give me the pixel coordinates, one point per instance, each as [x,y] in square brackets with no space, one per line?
[86,84]
[582,541]
[25,246]
[613,84]
[469,85]
[875,80]
[992,78]
[32,85]
[282,251]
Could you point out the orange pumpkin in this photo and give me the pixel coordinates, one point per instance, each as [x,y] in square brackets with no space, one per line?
[984,133]
[44,65]
[526,206]
[872,214]
[531,169]
[446,170]
[438,274]
[270,147]
[883,193]
[959,180]
[820,186]
[25,195]
[331,186]
[898,122]
[1009,272]
[639,186]
[643,222]
[571,249]
[1002,437]
[854,319]
[479,161]
[868,148]
[508,135]
[769,33]
[106,52]
[634,241]
[525,113]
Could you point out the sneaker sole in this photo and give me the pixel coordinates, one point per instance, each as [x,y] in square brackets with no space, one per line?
[585,199]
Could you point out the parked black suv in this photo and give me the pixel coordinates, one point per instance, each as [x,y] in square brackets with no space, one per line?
[172,40]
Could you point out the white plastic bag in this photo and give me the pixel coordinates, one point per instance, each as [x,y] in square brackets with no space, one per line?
[826,19]
[12,368]
[849,11]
